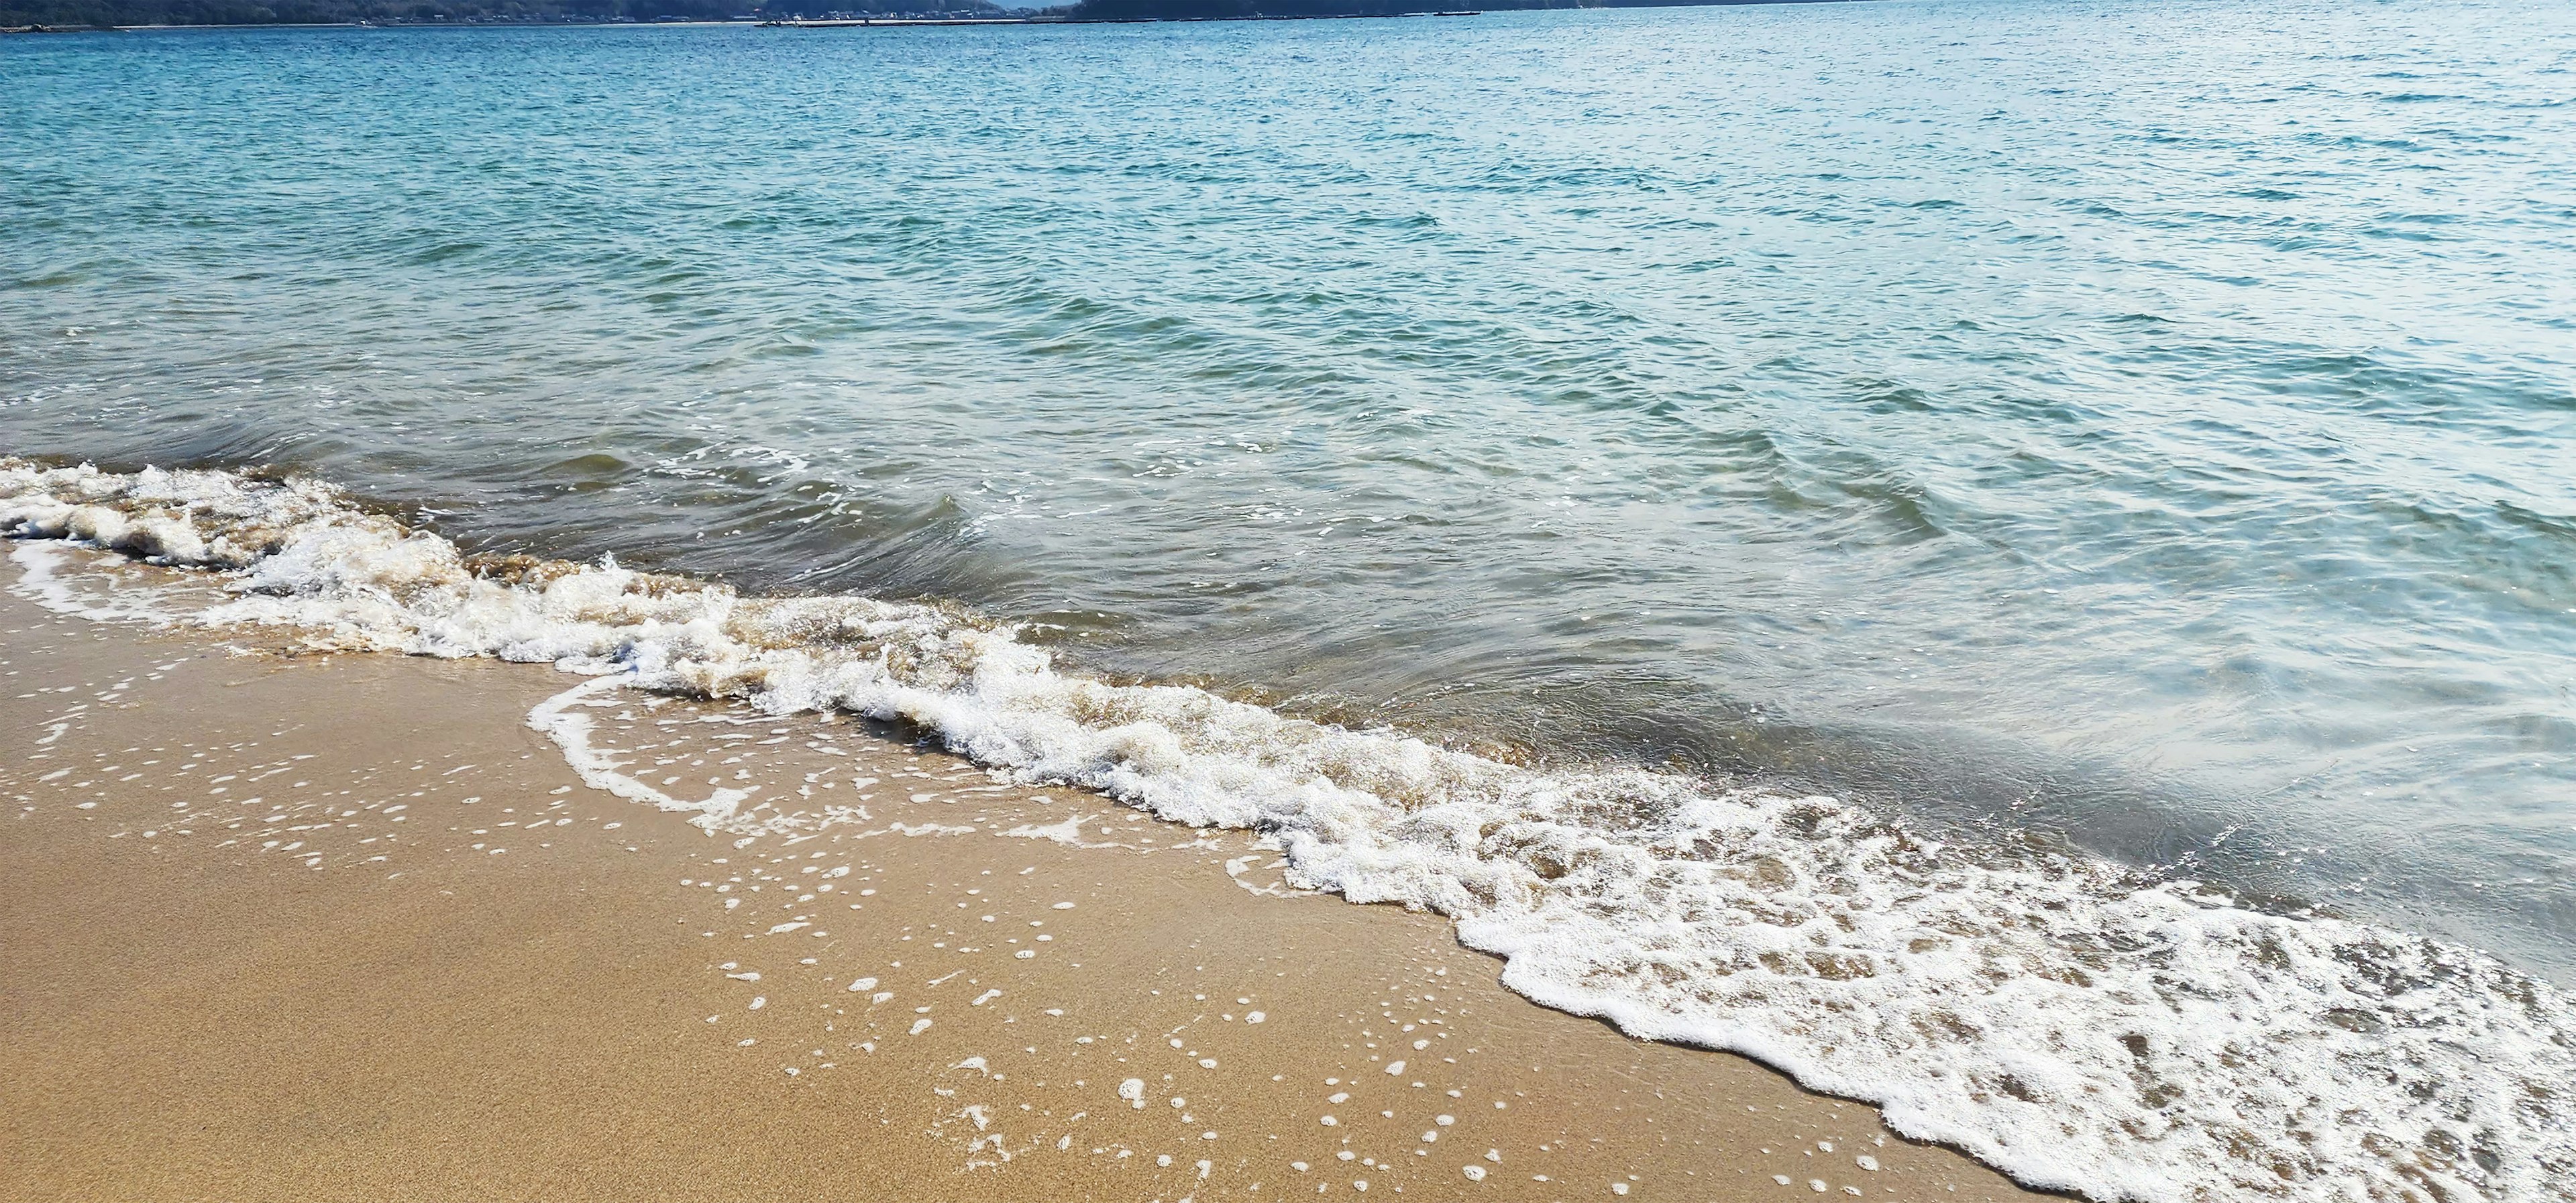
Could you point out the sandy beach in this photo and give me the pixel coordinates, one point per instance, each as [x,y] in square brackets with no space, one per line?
[346,927]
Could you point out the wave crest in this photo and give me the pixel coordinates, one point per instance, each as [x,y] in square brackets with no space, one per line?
[2075,1024]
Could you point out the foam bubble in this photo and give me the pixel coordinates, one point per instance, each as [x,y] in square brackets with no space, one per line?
[570,730]
[2073,1023]
[42,580]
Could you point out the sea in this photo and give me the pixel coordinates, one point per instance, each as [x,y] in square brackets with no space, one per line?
[2014,559]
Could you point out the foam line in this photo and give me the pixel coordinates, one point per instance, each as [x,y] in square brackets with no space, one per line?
[2069,1021]
[41,580]
[570,730]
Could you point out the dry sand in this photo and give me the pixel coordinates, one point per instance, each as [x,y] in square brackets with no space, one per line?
[305,927]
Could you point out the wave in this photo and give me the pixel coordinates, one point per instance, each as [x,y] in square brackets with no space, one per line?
[2078,1025]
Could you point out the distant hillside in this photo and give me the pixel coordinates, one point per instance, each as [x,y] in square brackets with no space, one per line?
[57,13]
[268,12]
[1204,10]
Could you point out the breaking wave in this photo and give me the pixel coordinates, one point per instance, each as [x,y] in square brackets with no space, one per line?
[2078,1025]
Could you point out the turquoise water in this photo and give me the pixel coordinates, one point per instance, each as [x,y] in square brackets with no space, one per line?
[2145,426]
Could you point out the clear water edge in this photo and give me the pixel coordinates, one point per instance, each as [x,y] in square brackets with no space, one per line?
[2021,440]
[2067,1021]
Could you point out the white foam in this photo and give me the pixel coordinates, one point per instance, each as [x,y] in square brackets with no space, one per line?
[1067,832]
[41,580]
[570,730]
[2060,1018]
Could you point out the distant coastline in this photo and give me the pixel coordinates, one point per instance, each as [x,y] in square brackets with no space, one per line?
[99,16]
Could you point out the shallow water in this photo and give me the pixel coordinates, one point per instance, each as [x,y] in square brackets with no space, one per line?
[2139,422]
[2144,426]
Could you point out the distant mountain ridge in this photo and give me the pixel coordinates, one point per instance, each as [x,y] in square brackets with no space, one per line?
[73,13]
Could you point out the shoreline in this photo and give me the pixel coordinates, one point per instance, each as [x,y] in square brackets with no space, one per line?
[2055,1020]
[370,969]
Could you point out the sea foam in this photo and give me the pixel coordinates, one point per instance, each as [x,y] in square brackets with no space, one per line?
[2079,1025]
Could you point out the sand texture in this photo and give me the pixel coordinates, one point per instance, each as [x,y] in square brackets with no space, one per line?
[346,927]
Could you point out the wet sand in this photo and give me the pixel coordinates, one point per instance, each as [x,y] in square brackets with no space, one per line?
[345,927]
